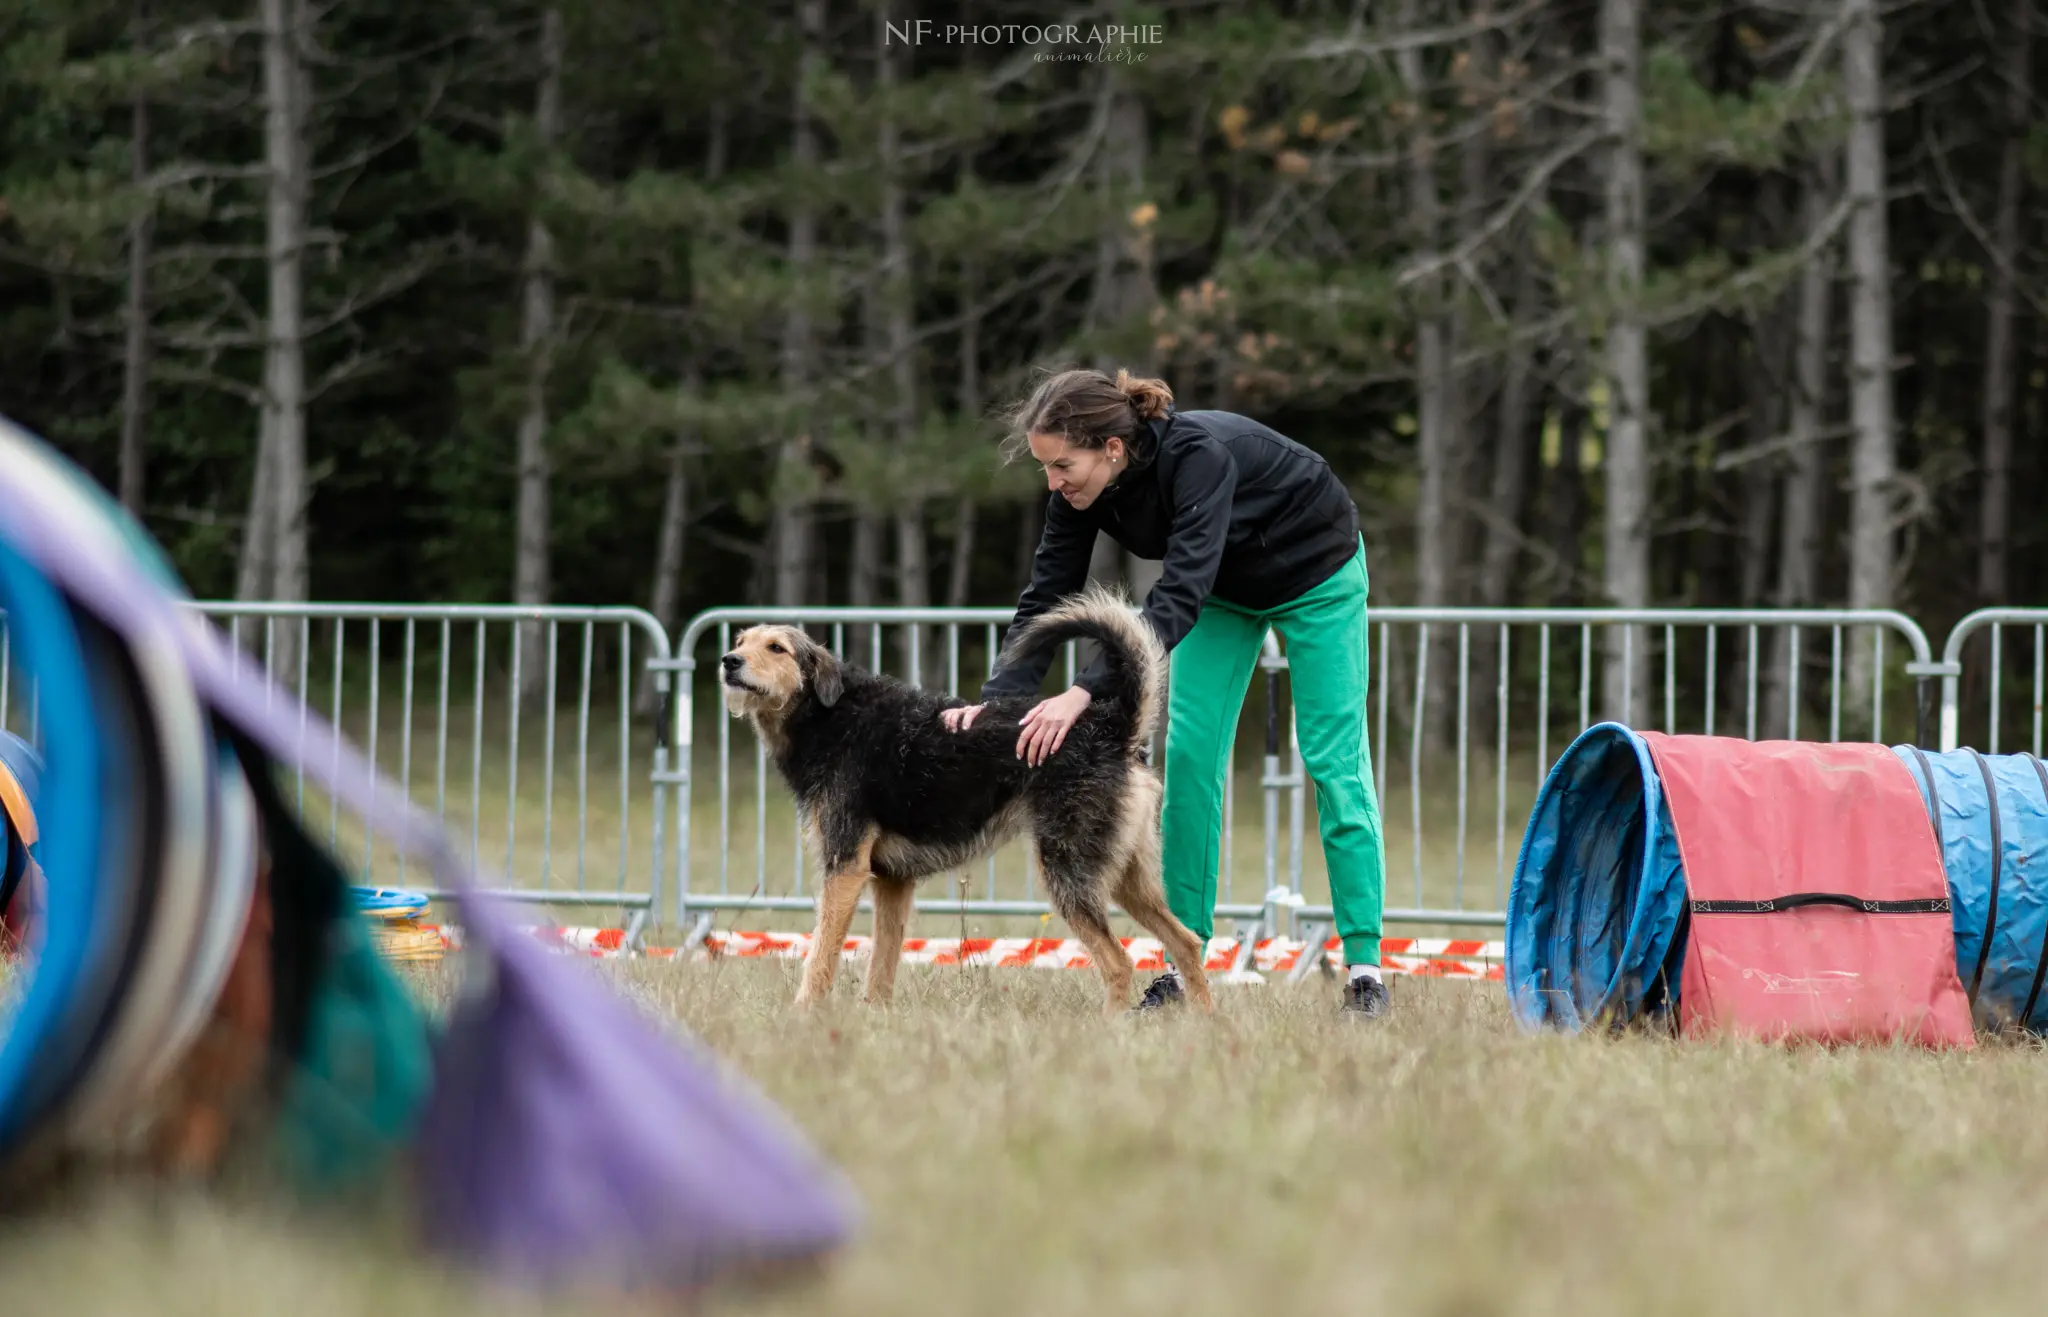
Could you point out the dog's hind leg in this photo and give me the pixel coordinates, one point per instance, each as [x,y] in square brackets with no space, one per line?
[893,901]
[1111,960]
[1139,893]
[1077,896]
[847,870]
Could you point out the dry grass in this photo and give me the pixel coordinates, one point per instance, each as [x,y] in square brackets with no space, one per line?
[1019,1155]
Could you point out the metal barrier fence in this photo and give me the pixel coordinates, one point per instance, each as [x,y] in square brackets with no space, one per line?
[1467,709]
[1466,691]
[448,670]
[1993,624]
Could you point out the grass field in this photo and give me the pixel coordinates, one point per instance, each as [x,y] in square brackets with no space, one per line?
[1019,1155]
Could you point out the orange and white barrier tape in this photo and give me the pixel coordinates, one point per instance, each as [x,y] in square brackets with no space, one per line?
[1450,958]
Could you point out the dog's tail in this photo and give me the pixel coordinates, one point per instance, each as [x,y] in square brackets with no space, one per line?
[1137,661]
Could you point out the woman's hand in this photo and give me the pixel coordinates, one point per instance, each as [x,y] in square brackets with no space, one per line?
[1045,728]
[959,720]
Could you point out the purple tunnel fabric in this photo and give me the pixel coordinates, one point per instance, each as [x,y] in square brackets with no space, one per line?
[568,1136]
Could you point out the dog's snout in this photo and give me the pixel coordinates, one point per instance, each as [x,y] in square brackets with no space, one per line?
[733,662]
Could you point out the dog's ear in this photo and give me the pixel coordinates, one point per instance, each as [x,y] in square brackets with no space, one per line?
[828,680]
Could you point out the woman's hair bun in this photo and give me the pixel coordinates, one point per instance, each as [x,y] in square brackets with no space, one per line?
[1149,398]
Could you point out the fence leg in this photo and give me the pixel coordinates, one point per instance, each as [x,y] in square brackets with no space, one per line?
[1313,957]
[1241,970]
[636,932]
[1923,675]
[1271,778]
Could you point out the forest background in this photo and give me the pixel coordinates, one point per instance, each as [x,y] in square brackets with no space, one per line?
[687,304]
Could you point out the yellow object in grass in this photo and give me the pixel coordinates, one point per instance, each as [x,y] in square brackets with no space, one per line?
[396,932]
[405,940]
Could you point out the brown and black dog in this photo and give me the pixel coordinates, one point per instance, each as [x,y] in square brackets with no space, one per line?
[889,795]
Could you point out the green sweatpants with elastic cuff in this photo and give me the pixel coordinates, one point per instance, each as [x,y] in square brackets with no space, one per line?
[1329,667]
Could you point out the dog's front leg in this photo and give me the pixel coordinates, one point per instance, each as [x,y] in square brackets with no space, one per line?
[845,875]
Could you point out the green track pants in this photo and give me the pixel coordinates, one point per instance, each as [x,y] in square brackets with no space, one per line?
[1329,667]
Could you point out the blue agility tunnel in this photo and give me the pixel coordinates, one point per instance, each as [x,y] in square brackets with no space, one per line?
[197,975]
[1601,908]
[1990,816]
[1595,909]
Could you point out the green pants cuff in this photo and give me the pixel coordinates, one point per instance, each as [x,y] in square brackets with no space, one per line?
[1361,951]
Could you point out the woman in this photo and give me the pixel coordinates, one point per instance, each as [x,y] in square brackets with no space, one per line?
[1254,531]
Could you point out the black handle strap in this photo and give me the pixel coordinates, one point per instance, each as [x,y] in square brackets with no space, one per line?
[2041,963]
[1997,863]
[1933,905]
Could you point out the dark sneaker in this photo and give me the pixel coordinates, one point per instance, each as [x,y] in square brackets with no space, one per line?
[1368,997]
[1164,991]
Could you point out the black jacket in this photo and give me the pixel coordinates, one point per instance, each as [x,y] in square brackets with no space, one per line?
[1233,508]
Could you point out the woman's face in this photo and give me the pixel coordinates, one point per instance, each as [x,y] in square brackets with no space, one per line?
[1078,475]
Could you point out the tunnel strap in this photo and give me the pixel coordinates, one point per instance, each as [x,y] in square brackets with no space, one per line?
[2040,962]
[1933,801]
[1934,905]
[1997,863]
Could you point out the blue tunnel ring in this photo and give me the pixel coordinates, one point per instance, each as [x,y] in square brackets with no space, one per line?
[41,628]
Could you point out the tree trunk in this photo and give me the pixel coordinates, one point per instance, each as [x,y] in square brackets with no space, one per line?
[1506,496]
[913,590]
[793,533]
[530,568]
[793,526]
[1765,375]
[960,581]
[960,571]
[1765,387]
[1800,537]
[1753,490]
[1626,444]
[1994,536]
[1872,473]
[913,549]
[1432,346]
[1567,504]
[257,572]
[864,584]
[1508,492]
[668,555]
[1124,289]
[1030,525]
[672,541]
[1799,532]
[1474,406]
[278,507]
[1436,443]
[675,522]
[136,351]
